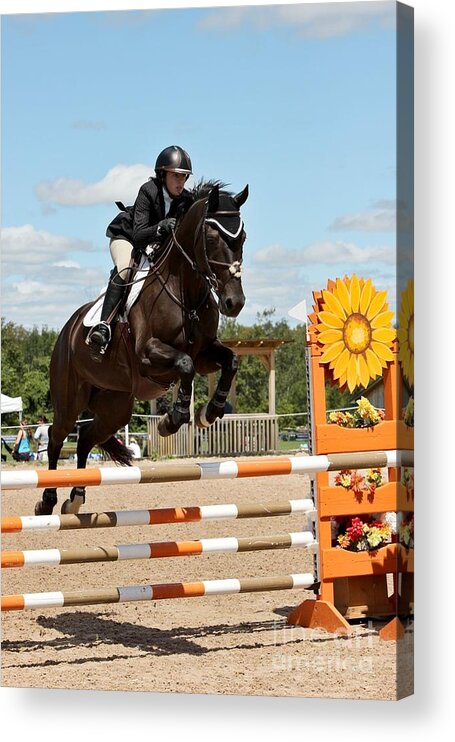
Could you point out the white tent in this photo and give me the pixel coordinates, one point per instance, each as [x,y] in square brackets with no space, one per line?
[11,404]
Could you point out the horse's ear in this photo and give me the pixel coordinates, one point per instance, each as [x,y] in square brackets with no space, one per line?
[241,197]
[213,200]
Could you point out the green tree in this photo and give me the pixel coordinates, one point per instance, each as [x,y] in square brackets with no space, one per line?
[25,367]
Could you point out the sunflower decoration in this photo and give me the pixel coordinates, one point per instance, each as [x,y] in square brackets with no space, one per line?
[354,326]
[405,332]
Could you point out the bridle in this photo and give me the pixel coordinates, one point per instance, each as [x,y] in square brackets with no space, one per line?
[234,268]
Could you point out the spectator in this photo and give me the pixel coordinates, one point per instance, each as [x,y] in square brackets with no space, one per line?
[4,443]
[42,437]
[133,446]
[21,450]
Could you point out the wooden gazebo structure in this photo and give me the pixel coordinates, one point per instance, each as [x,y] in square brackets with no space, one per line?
[265,350]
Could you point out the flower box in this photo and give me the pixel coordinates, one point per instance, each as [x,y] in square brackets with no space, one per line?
[389,559]
[338,501]
[386,435]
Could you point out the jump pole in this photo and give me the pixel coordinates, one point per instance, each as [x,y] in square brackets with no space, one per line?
[230,469]
[135,593]
[156,516]
[156,550]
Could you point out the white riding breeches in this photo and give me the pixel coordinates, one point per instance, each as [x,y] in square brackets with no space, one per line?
[121,255]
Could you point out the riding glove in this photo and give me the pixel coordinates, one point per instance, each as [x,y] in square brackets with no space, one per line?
[165,226]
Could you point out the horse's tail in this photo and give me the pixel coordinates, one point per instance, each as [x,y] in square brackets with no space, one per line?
[117,451]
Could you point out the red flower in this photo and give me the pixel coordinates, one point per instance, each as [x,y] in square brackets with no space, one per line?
[355,531]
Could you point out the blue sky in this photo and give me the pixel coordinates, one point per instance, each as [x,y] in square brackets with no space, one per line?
[298,101]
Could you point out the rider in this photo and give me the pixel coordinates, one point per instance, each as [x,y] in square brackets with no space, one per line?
[150,220]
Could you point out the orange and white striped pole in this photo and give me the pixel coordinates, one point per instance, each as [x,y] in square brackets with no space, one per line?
[156,516]
[228,469]
[155,592]
[157,550]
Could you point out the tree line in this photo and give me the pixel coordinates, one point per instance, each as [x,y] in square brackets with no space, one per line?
[26,356]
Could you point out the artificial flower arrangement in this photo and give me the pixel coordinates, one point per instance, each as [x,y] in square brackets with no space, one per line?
[408,413]
[350,479]
[365,416]
[355,534]
[406,531]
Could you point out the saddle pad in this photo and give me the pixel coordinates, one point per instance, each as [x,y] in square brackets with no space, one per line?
[93,315]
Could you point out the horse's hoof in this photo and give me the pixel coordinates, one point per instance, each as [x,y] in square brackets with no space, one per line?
[200,418]
[46,505]
[74,505]
[168,425]
[165,426]
[207,414]
[42,508]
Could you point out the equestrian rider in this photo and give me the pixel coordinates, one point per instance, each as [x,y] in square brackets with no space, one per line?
[150,220]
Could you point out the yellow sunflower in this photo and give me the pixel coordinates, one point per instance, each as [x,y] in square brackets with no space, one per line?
[354,326]
[405,332]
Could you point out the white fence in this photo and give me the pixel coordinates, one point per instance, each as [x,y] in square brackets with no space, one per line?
[234,434]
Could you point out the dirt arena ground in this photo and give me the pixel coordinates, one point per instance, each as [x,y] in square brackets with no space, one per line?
[223,644]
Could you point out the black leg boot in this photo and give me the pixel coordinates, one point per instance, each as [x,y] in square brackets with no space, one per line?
[100,335]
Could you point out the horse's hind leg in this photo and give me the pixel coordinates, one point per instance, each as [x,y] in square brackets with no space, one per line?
[63,424]
[57,435]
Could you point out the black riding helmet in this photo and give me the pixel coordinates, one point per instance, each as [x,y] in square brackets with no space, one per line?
[173,159]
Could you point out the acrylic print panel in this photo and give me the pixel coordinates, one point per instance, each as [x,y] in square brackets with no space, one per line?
[311,106]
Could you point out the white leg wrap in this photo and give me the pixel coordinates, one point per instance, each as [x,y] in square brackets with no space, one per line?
[202,417]
[75,505]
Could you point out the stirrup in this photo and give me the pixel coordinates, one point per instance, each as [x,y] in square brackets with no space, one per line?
[93,344]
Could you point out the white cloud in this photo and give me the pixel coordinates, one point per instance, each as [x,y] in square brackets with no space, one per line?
[278,256]
[120,182]
[66,264]
[384,216]
[329,253]
[375,220]
[323,253]
[31,288]
[50,296]
[42,283]
[278,286]
[322,21]
[26,249]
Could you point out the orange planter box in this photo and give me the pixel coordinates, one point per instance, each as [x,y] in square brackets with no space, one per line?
[336,501]
[386,435]
[388,559]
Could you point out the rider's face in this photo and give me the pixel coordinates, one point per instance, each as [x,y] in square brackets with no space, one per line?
[175,183]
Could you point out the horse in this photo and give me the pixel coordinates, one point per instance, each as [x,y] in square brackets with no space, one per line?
[171,334]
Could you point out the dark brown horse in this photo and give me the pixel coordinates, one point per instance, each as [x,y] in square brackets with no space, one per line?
[171,334]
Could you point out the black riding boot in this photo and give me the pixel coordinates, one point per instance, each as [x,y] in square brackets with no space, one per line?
[100,334]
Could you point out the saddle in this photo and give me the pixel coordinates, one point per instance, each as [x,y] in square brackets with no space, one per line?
[138,270]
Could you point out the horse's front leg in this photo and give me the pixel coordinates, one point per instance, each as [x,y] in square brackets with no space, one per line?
[159,359]
[216,356]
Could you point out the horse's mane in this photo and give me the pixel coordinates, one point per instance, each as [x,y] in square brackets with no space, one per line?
[203,188]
